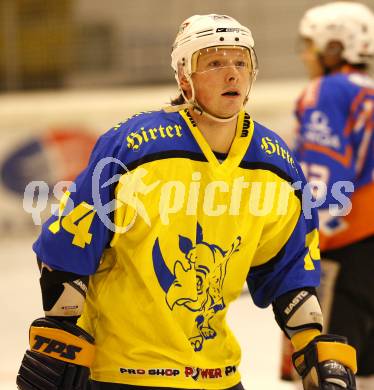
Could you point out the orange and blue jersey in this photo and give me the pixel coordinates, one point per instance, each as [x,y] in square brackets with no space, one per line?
[169,235]
[335,145]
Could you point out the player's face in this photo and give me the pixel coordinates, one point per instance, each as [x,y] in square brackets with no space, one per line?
[221,79]
[310,57]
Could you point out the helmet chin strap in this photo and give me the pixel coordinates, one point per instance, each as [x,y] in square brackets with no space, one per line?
[195,106]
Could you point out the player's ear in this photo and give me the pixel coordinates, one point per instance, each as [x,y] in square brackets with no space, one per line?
[183,82]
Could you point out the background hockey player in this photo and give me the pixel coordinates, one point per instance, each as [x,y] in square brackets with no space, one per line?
[336,144]
[159,233]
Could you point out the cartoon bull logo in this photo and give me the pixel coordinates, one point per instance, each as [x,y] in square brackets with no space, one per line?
[196,281]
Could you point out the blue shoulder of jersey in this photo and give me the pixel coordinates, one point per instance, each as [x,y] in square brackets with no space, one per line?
[152,133]
[337,91]
[71,243]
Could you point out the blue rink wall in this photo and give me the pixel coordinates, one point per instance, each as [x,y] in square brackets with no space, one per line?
[44,136]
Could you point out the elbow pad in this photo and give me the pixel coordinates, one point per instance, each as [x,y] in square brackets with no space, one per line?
[63,293]
[298,310]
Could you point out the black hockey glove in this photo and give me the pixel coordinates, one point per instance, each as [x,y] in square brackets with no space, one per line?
[59,357]
[326,363]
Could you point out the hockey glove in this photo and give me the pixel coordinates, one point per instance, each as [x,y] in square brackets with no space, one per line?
[326,363]
[59,357]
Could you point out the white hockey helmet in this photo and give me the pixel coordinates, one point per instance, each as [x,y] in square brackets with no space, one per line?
[203,31]
[351,24]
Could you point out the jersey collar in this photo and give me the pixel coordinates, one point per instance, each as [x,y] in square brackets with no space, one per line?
[240,145]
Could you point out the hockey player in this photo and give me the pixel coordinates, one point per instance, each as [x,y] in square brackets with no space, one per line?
[336,145]
[157,236]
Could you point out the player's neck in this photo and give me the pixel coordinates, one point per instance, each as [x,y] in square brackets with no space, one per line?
[219,135]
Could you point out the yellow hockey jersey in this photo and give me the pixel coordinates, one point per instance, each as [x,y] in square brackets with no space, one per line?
[169,235]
